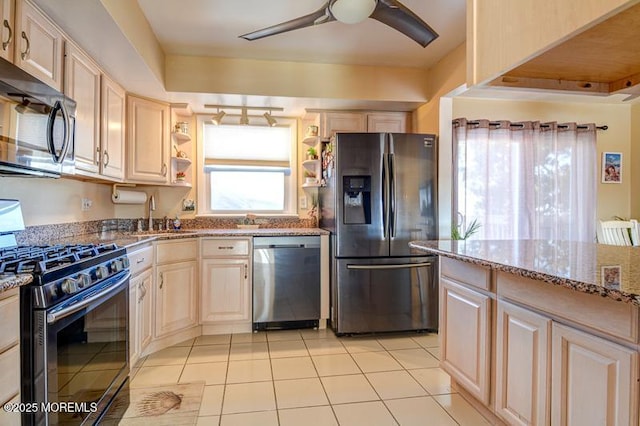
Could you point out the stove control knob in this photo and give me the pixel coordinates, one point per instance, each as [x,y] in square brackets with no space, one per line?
[125,262]
[69,286]
[102,272]
[84,280]
[116,265]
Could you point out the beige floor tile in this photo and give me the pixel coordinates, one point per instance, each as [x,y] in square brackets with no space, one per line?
[324,333]
[262,418]
[208,421]
[249,337]
[299,393]
[435,352]
[345,389]
[105,361]
[168,419]
[213,339]
[169,356]
[212,397]
[325,347]
[434,380]
[365,413]
[248,397]
[309,416]
[415,358]
[293,368]
[282,335]
[427,340]
[188,342]
[355,345]
[370,362]
[160,375]
[395,384]
[288,348]
[335,365]
[87,380]
[254,370]
[246,351]
[416,412]
[392,343]
[208,353]
[213,373]
[461,410]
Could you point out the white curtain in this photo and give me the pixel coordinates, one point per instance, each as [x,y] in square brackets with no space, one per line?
[526,180]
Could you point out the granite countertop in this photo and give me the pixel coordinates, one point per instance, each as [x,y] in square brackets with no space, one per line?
[610,271]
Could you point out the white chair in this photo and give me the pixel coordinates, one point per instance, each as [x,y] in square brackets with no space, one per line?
[619,232]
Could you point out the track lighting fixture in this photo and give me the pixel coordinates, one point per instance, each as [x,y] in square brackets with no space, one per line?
[244,114]
[217,118]
[270,120]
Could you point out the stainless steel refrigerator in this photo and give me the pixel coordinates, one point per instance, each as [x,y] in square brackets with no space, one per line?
[381,193]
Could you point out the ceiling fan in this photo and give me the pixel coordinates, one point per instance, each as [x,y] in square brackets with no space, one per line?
[389,12]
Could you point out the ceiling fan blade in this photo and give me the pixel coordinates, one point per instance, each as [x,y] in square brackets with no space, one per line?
[318,17]
[399,17]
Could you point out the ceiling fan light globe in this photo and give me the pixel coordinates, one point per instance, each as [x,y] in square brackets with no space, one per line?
[352,11]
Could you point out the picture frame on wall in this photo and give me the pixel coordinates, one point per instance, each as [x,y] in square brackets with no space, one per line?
[611,167]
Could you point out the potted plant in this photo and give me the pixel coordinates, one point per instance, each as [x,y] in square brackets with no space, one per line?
[180,176]
[312,154]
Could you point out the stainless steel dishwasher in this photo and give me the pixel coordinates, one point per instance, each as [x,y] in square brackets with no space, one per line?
[286,282]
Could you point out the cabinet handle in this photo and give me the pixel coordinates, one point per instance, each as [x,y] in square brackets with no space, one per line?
[225,247]
[106,158]
[139,261]
[246,271]
[24,55]
[5,44]
[161,279]
[164,169]
[98,152]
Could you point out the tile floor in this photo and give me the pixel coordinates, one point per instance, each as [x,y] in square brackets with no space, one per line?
[311,377]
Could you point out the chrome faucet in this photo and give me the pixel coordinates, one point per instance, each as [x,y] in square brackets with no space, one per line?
[152,207]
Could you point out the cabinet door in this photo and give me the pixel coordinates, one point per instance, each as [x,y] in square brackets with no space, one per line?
[175,297]
[134,345]
[522,365]
[333,122]
[82,84]
[7,35]
[593,381]
[387,122]
[464,325]
[226,290]
[144,313]
[112,132]
[147,141]
[38,45]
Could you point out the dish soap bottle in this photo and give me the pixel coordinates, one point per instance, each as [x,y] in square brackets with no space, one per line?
[176,223]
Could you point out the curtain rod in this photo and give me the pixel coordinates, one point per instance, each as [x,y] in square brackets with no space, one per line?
[560,126]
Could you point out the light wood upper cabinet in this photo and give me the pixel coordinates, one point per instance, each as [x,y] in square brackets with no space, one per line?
[38,45]
[7,27]
[148,144]
[466,335]
[522,365]
[388,122]
[332,122]
[367,122]
[112,129]
[593,382]
[82,84]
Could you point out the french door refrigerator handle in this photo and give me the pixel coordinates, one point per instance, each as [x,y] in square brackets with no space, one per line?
[392,191]
[385,197]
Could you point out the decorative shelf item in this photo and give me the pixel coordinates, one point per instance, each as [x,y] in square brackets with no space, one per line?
[181,137]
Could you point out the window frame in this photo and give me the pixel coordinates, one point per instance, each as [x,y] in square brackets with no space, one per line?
[203,180]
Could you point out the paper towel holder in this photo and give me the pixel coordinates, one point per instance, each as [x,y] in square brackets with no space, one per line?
[114,191]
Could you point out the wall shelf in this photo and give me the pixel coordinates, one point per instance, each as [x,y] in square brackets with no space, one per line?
[181,137]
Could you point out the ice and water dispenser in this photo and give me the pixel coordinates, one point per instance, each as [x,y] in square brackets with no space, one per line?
[356,199]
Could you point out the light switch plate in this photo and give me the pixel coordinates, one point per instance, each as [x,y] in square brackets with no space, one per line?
[303,202]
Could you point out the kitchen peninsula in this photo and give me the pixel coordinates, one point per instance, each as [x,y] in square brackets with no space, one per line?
[524,333]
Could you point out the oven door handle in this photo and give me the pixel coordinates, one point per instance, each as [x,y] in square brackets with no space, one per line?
[56,316]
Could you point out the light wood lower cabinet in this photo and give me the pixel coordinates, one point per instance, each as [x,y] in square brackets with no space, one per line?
[522,365]
[9,354]
[140,314]
[226,290]
[593,381]
[176,297]
[465,329]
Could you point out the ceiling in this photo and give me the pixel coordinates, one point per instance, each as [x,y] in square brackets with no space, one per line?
[212,27]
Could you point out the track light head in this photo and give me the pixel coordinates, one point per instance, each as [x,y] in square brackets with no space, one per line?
[244,118]
[217,118]
[270,120]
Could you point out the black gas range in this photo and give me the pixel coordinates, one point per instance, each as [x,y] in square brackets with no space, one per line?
[74,328]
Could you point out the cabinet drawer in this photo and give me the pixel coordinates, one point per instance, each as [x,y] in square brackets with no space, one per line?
[10,373]
[140,259]
[467,273]
[225,247]
[10,320]
[176,251]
